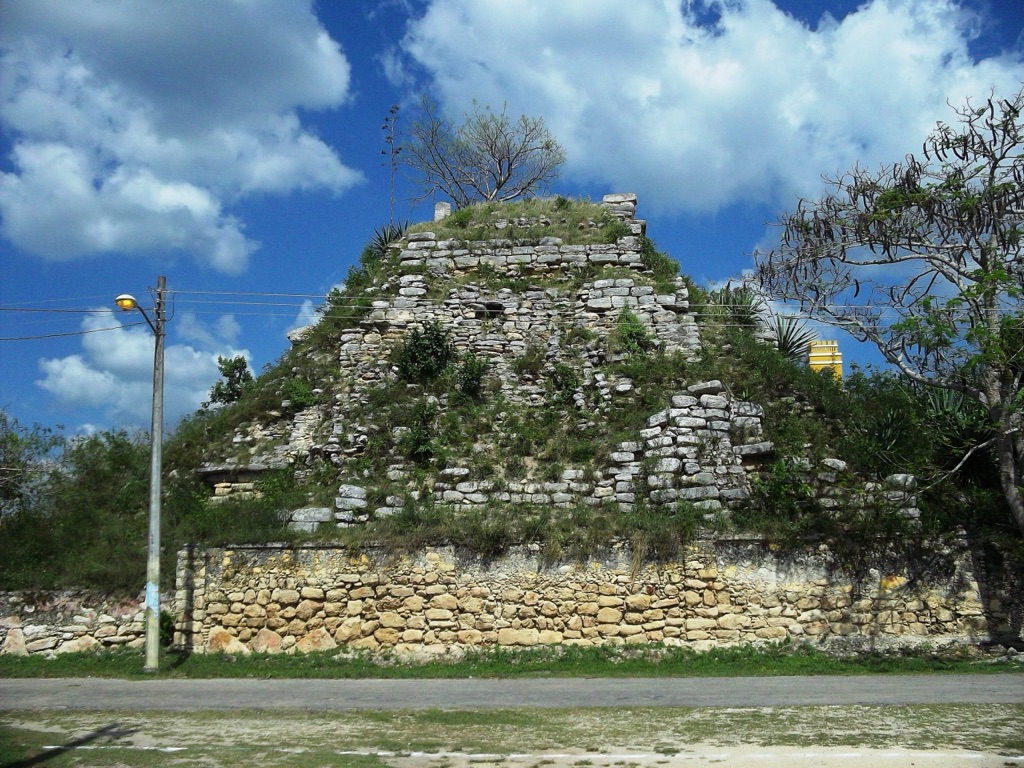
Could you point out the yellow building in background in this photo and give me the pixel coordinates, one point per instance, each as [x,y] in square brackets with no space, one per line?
[825,354]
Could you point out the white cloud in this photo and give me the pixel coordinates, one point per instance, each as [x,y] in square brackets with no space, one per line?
[135,125]
[306,316]
[694,115]
[114,371]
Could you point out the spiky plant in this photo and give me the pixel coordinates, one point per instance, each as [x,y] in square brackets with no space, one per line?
[790,336]
[384,236]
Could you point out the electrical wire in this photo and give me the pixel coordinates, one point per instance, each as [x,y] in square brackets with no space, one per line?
[70,333]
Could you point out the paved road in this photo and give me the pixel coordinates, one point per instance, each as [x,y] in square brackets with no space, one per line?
[337,695]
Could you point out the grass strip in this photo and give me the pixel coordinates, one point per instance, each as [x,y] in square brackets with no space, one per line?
[569,661]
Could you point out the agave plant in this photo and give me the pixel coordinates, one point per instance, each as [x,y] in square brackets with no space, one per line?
[385,235]
[739,304]
[790,336]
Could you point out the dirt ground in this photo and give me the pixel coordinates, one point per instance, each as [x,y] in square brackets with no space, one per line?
[978,736]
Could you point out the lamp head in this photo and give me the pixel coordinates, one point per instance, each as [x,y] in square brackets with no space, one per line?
[126,302]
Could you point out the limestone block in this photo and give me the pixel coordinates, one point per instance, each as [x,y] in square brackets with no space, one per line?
[267,641]
[14,643]
[609,616]
[713,387]
[733,621]
[307,609]
[349,630]
[714,401]
[525,637]
[639,602]
[222,641]
[391,620]
[317,640]
[282,596]
[387,636]
[79,645]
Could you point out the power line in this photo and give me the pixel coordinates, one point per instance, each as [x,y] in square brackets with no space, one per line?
[71,333]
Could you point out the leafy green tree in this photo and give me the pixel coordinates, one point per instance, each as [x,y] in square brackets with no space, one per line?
[487,156]
[924,258]
[86,525]
[235,379]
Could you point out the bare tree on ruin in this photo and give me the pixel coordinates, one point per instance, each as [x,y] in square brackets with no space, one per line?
[486,157]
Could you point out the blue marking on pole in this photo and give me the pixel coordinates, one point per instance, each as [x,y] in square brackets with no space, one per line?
[152,596]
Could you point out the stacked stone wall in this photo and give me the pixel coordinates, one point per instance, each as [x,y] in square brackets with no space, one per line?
[435,602]
[54,622]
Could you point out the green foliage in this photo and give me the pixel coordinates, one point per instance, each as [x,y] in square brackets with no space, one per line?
[734,306]
[424,354]
[298,393]
[563,382]
[418,441]
[460,218]
[657,533]
[949,311]
[575,222]
[470,376]
[631,335]
[235,379]
[384,237]
[615,230]
[661,265]
[792,338]
[89,524]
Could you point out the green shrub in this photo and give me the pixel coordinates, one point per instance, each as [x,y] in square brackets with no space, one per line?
[563,383]
[298,393]
[631,334]
[418,442]
[470,376]
[424,355]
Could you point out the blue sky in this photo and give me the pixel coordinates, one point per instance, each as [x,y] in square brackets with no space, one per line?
[235,147]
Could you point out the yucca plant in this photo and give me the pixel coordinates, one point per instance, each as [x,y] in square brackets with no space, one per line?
[790,336]
[384,236]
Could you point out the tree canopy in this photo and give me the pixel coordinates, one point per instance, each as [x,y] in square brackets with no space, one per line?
[924,259]
[235,379]
[488,156]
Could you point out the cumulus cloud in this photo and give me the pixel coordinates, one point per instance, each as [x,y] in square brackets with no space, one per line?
[114,371]
[698,105]
[136,125]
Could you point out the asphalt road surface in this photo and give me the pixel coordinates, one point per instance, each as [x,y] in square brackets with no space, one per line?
[338,695]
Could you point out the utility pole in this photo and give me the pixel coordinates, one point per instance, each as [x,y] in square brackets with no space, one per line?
[156,324]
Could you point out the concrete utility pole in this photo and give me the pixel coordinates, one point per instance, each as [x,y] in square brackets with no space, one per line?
[127,302]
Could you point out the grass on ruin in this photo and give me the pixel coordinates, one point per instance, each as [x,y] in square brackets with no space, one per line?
[575,221]
[567,661]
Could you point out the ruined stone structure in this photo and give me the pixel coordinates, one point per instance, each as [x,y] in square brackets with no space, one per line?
[701,450]
[698,451]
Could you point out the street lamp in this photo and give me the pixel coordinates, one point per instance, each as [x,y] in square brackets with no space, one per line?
[127,303]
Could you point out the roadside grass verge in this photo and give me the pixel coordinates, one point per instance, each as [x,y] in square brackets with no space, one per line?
[570,661]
